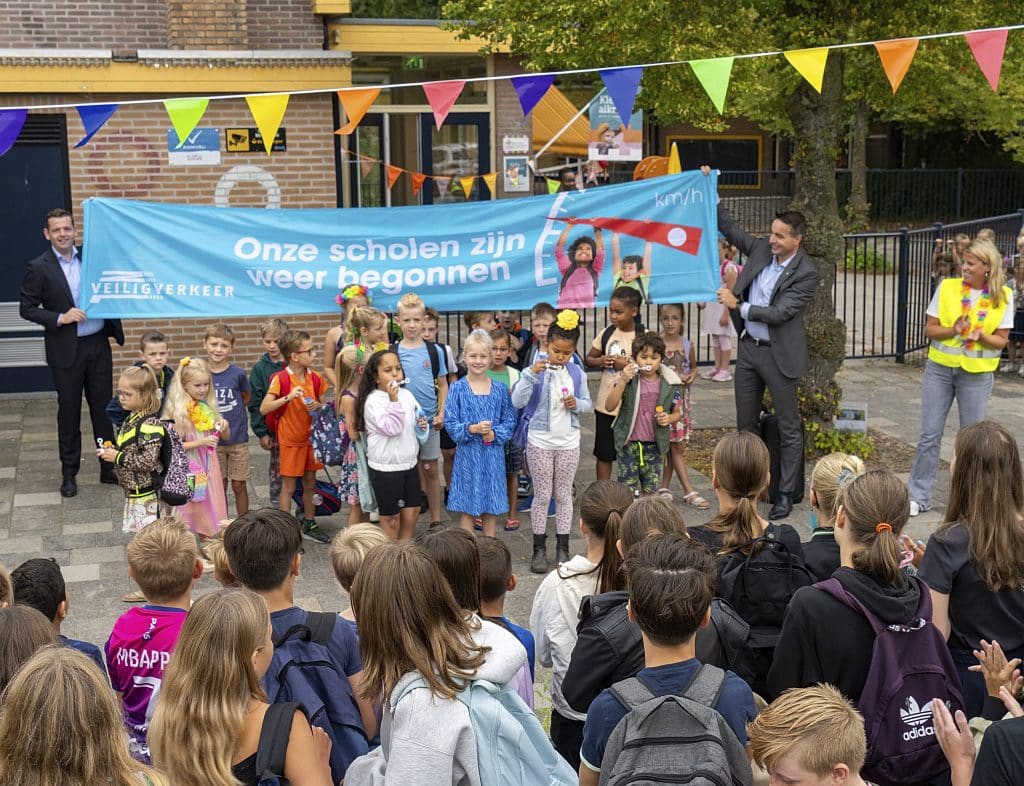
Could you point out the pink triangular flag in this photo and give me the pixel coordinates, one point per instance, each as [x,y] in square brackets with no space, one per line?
[442,183]
[441,96]
[367,165]
[988,47]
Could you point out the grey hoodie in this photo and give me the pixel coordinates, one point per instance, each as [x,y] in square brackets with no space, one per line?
[427,740]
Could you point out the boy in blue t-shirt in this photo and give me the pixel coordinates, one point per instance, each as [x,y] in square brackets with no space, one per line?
[497,578]
[671,581]
[233,394]
[429,388]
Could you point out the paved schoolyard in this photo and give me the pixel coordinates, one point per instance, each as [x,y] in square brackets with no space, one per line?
[84,533]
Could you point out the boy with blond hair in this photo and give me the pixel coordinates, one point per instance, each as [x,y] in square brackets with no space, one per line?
[163,561]
[427,371]
[348,550]
[810,735]
[269,364]
[233,394]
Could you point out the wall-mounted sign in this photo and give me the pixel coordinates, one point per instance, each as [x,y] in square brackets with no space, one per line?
[515,144]
[250,140]
[201,148]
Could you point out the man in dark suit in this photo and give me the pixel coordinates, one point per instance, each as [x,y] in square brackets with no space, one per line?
[77,347]
[767,307]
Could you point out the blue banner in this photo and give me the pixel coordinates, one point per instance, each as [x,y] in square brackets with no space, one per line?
[145,259]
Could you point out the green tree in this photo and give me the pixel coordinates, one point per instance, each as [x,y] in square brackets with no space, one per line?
[564,34]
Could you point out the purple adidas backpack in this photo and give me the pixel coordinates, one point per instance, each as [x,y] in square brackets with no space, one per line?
[910,666]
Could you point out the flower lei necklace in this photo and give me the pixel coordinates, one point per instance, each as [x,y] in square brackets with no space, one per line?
[984,302]
[201,415]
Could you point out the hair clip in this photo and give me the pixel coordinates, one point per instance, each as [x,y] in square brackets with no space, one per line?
[568,319]
[845,476]
[185,361]
[351,291]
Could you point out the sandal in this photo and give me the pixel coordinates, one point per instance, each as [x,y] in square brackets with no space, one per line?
[511,525]
[134,597]
[478,525]
[664,493]
[693,499]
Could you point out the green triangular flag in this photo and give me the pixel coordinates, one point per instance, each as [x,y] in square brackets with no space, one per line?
[185,114]
[713,75]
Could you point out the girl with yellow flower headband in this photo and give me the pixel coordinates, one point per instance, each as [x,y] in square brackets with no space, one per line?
[551,395]
[192,405]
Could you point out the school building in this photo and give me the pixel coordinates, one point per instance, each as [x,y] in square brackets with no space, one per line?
[125,51]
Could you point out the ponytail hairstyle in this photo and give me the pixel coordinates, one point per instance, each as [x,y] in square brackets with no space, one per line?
[602,506]
[876,507]
[348,364]
[566,326]
[828,477]
[647,516]
[359,319]
[741,464]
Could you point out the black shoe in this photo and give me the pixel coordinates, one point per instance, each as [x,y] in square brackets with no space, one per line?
[68,487]
[561,549]
[108,477]
[539,563]
[312,531]
[782,508]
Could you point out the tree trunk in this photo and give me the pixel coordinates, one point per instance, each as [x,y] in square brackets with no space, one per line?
[817,120]
[857,206]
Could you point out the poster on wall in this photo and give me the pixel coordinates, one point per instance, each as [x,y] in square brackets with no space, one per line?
[517,174]
[609,139]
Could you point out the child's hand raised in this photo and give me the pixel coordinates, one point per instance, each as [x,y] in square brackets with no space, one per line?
[393,390]
[539,366]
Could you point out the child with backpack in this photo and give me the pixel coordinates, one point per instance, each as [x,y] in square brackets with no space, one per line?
[831,473]
[676,717]
[316,657]
[551,396]
[348,551]
[497,580]
[868,631]
[810,735]
[753,552]
[580,268]
[556,606]
[163,561]
[270,362]
[192,405]
[448,719]
[480,419]
[212,725]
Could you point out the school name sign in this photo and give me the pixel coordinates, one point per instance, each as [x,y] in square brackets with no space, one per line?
[144,259]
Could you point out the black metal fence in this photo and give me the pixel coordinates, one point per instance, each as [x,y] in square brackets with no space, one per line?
[882,289]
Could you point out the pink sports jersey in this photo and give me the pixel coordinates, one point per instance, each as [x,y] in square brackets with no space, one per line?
[138,650]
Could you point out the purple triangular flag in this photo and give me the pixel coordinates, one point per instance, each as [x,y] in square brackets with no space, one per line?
[11,121]
[93,117]
[622,85]
[531,89]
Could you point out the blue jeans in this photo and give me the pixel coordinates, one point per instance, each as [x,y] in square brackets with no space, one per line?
[940,386]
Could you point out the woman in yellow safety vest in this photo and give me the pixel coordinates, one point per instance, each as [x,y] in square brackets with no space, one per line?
[969,321]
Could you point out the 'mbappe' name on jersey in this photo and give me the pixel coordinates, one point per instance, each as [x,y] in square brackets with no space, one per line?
[142,659]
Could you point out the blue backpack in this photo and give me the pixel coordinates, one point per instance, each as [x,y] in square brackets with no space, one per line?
[328,436]
[304,670]
[512,748]
[521,434]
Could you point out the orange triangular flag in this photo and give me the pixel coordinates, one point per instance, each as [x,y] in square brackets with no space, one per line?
[467,185]
[896,57]
[442,183]
[810,63]
[417,181]
[988,47]
[491,179]
[367,166]
[355,103]
[394,173]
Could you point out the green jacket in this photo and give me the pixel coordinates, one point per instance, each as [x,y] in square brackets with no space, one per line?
[259,381]
[625,420]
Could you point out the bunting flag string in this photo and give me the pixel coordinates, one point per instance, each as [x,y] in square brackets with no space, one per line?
[988,46]
[442,182]
[467,185]
[491,181]
[417,181]
[393,173]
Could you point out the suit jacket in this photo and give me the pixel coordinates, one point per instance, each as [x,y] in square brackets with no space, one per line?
[785,313]
[44,295]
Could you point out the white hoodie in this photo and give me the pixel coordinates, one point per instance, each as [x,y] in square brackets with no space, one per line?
[428,741]
[555,615]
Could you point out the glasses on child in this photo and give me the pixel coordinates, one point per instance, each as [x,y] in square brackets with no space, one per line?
[304,351]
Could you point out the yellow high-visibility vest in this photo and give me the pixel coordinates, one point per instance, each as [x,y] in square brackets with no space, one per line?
[952,352]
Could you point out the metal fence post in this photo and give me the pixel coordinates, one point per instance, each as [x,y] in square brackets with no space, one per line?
[902,294]
[959,193]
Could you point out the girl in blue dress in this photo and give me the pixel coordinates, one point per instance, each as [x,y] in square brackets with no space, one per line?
[480,419]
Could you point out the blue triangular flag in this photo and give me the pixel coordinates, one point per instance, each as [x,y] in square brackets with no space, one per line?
[531,89]
[93,117]
[11,121]
[622,85]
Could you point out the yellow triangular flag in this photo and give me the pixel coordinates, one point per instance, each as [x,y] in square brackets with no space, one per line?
[896,57]
[185,114]
[674,167]
[268,112]
[491,179]
[467,185]
[810,63]
[553,184]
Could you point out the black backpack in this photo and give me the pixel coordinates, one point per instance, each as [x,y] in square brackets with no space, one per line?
[273,745]
[435,359]
[760,584]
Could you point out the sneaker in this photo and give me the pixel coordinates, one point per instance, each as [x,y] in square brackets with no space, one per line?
[1020,371]
[721,376]
[524,504]
[524,487]
[1006,368]
[551,509]
[708,373]
[915,509]
[312,531]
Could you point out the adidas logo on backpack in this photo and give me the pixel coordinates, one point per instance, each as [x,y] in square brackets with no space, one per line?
[916,717]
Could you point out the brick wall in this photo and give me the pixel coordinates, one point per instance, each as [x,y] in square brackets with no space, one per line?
[284,24]
[206,24]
